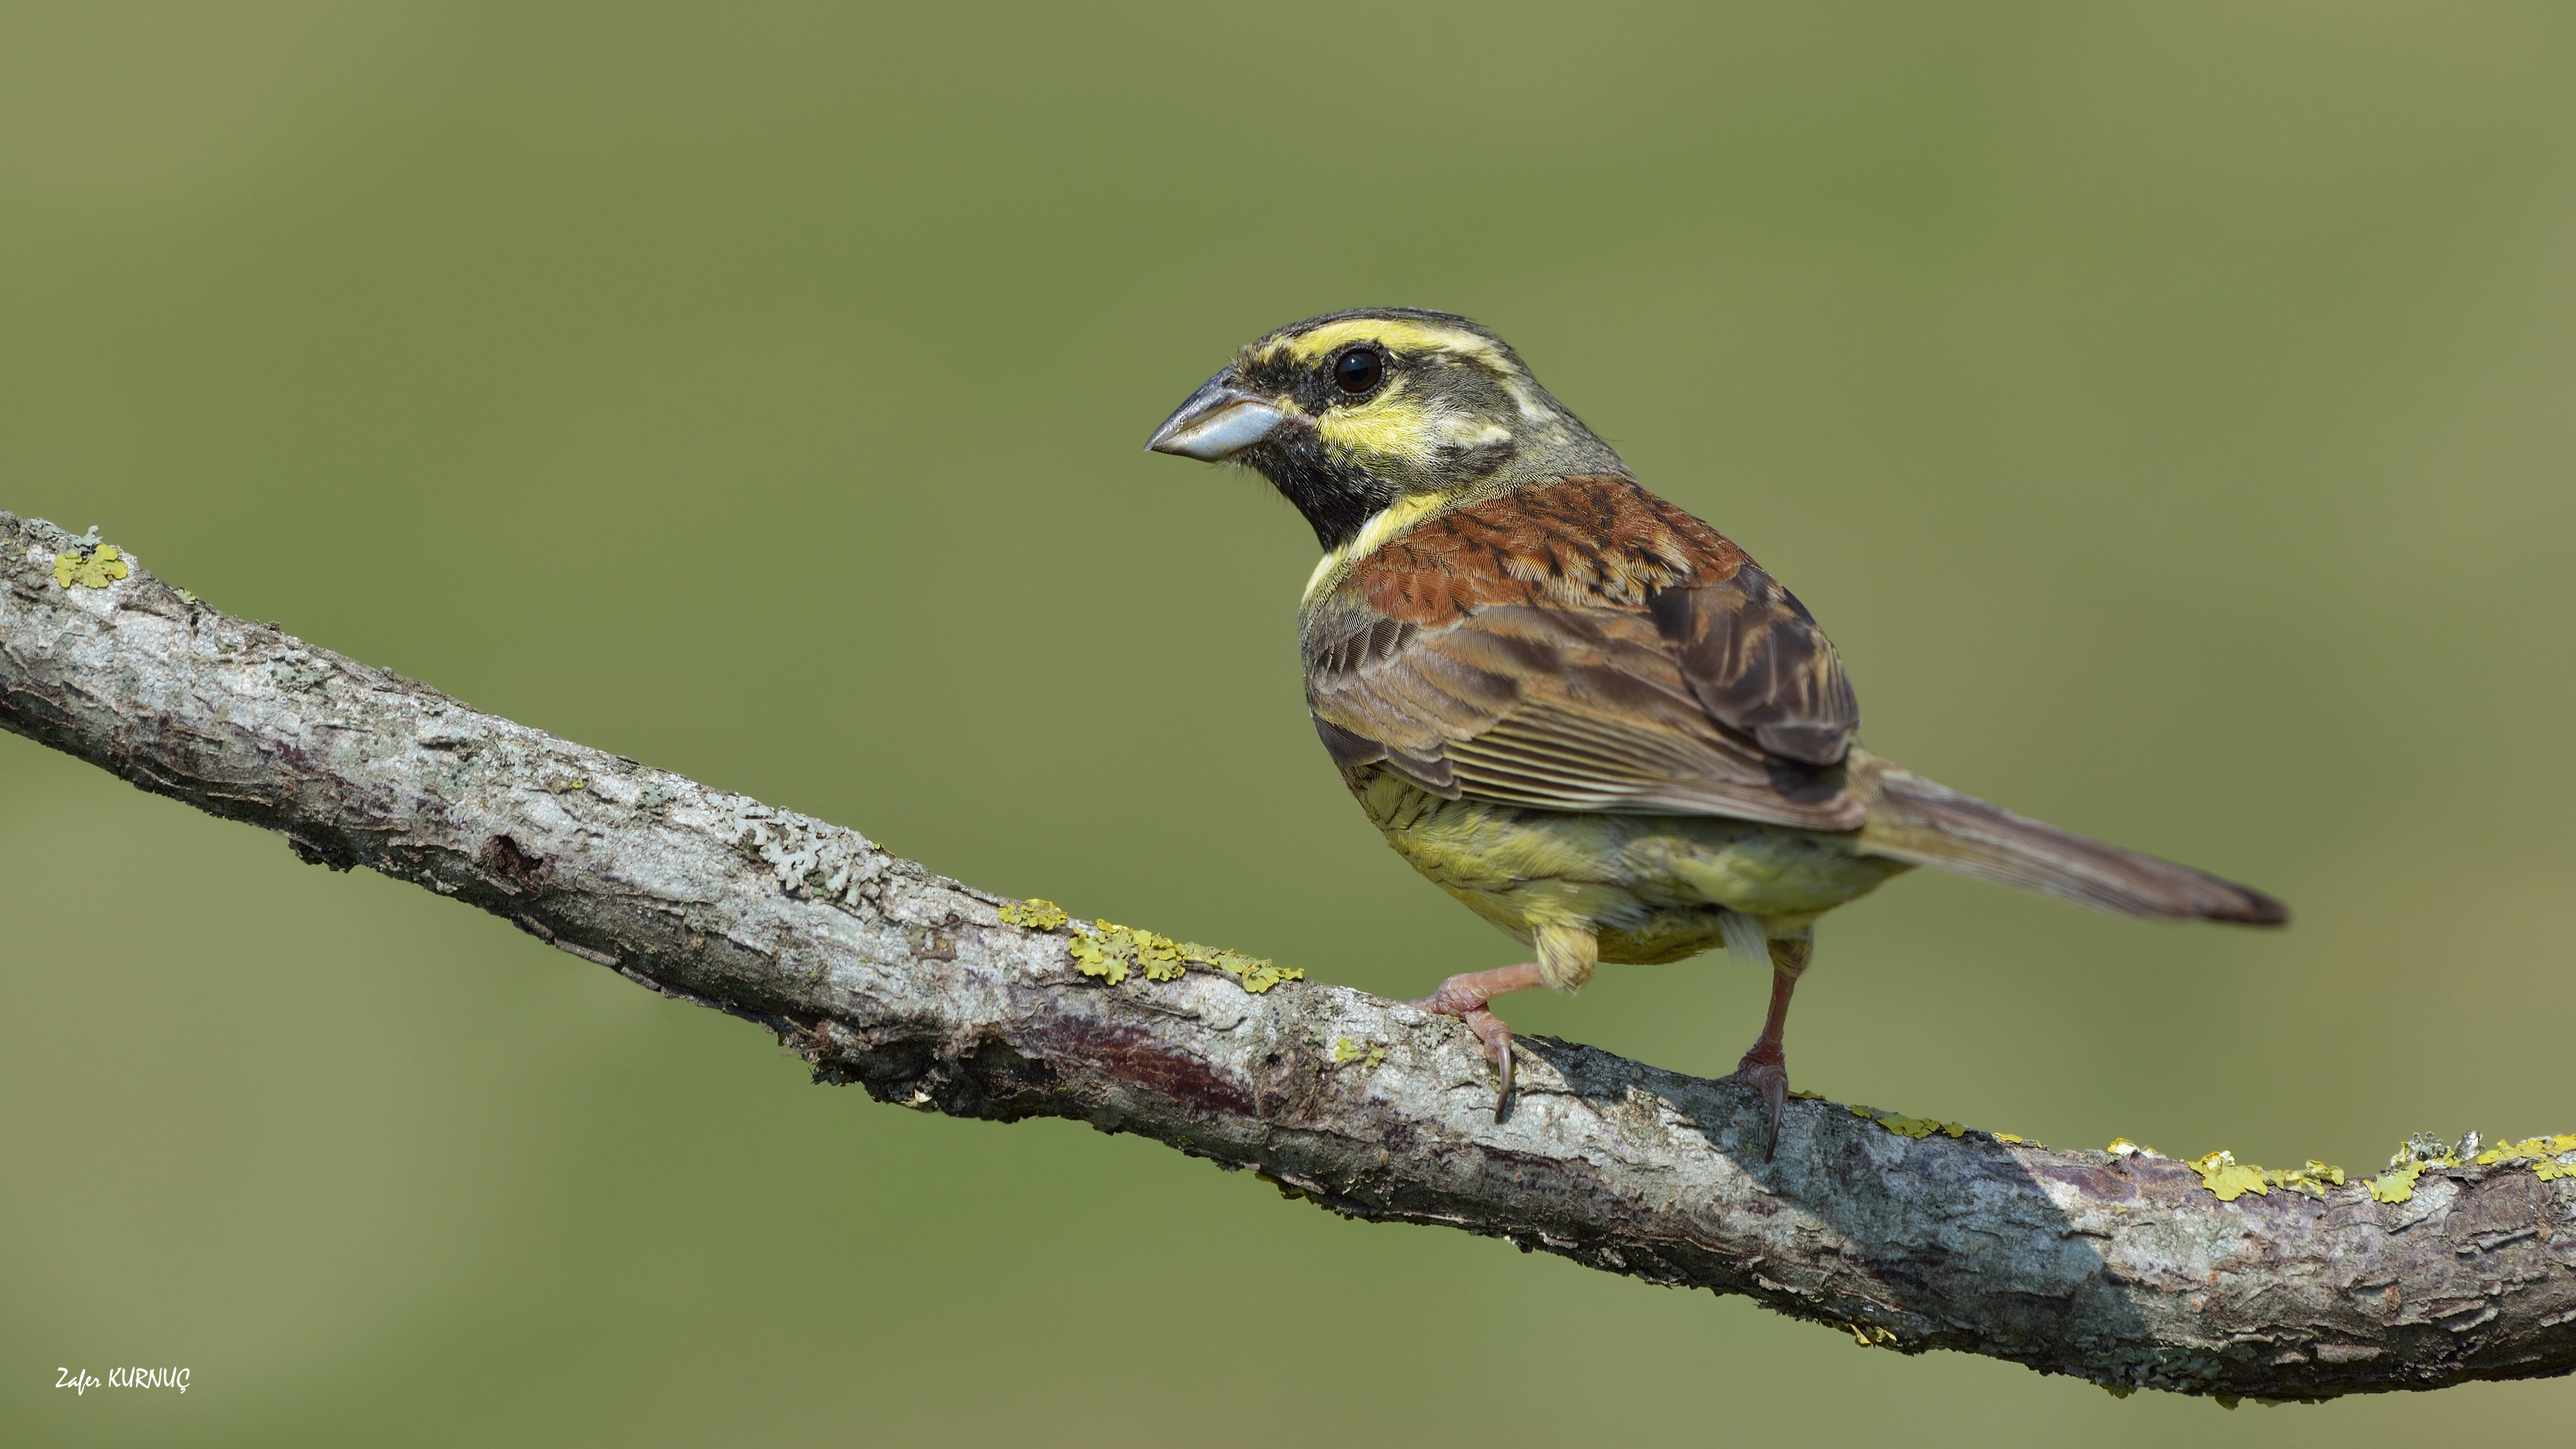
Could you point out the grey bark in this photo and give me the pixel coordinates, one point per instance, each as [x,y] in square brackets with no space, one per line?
[2124,1270]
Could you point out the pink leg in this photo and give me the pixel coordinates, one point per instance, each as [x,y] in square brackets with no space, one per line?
[1766,1067]
[1464,996]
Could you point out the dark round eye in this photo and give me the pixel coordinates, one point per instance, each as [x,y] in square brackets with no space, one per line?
[1359,369]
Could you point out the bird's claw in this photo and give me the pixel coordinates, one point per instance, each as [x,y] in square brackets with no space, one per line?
[1497,1038]
[1767,1072]
[1464,997]
[1488,1028]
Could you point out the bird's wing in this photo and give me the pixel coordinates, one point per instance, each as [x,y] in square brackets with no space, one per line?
[1583,645]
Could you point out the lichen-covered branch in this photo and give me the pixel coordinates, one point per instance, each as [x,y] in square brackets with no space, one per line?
[2127,1269]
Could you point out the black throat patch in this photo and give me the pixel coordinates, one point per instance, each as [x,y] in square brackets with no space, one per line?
[1336,500]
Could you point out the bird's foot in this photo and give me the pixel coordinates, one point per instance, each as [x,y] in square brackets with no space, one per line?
[1464,996]
[1766,1070]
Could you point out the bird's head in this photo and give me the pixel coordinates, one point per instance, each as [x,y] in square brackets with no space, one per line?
[1350,413]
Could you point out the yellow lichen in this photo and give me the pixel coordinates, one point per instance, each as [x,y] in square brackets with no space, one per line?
[1108,950]
[1256,974]
[1104,951]
[1159,957]
[2527,1147]
[2123,1147]
[1904,1126]
[2312,1179]
[2413,1155]
[94,568]
[1035,914]
[1346,1050]
[2541,1152]
[2397,1184]
[2222,1174]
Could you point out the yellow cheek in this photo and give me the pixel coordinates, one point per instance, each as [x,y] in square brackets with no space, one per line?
[1390,426]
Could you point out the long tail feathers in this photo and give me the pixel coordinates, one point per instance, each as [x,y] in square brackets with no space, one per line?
[1913,819]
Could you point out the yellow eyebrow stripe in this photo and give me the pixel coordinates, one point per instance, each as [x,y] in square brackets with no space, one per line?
[1396,336]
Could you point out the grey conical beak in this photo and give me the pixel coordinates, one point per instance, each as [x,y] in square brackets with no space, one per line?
[1219,421]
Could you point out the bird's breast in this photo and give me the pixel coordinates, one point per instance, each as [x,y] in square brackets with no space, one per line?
[1652,886]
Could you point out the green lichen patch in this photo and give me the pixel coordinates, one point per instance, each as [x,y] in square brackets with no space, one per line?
[2222,1174]
[89,566]
[2313,1179]
[1034,914]
[1159,957]
[1904,1126]
[1345,1050]
[1105,953]
[1110,951]
[2527,1148]
[2395,1185]
[1254,973]
[1916,1128]
[2229,1179]
[2551,1158]
[2413,1156]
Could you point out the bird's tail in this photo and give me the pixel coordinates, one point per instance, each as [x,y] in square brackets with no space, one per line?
[1915,820]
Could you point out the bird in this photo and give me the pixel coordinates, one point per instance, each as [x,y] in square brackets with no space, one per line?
[1575,707]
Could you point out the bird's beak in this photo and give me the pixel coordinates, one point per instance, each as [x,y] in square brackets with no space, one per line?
[1219,421]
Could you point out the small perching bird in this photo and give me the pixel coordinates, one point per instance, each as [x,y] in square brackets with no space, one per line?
[1577,708]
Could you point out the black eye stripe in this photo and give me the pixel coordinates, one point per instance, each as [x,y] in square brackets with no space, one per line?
[1359,370]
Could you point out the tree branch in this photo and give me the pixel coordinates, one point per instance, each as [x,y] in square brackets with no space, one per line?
[2127,1270]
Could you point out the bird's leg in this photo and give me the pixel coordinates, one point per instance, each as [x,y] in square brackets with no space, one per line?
[1766,1067]
[1464,996]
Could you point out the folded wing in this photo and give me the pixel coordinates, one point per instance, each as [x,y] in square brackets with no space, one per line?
[1584,645]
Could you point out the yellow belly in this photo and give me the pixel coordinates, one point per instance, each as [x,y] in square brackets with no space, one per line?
[1651,888]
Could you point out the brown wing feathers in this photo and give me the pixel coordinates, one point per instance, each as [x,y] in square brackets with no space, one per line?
[1583,645]
[1757,661]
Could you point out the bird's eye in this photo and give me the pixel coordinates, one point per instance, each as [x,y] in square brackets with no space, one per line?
[1359,369]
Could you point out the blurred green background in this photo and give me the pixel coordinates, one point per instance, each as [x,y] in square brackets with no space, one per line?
[2169,410]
